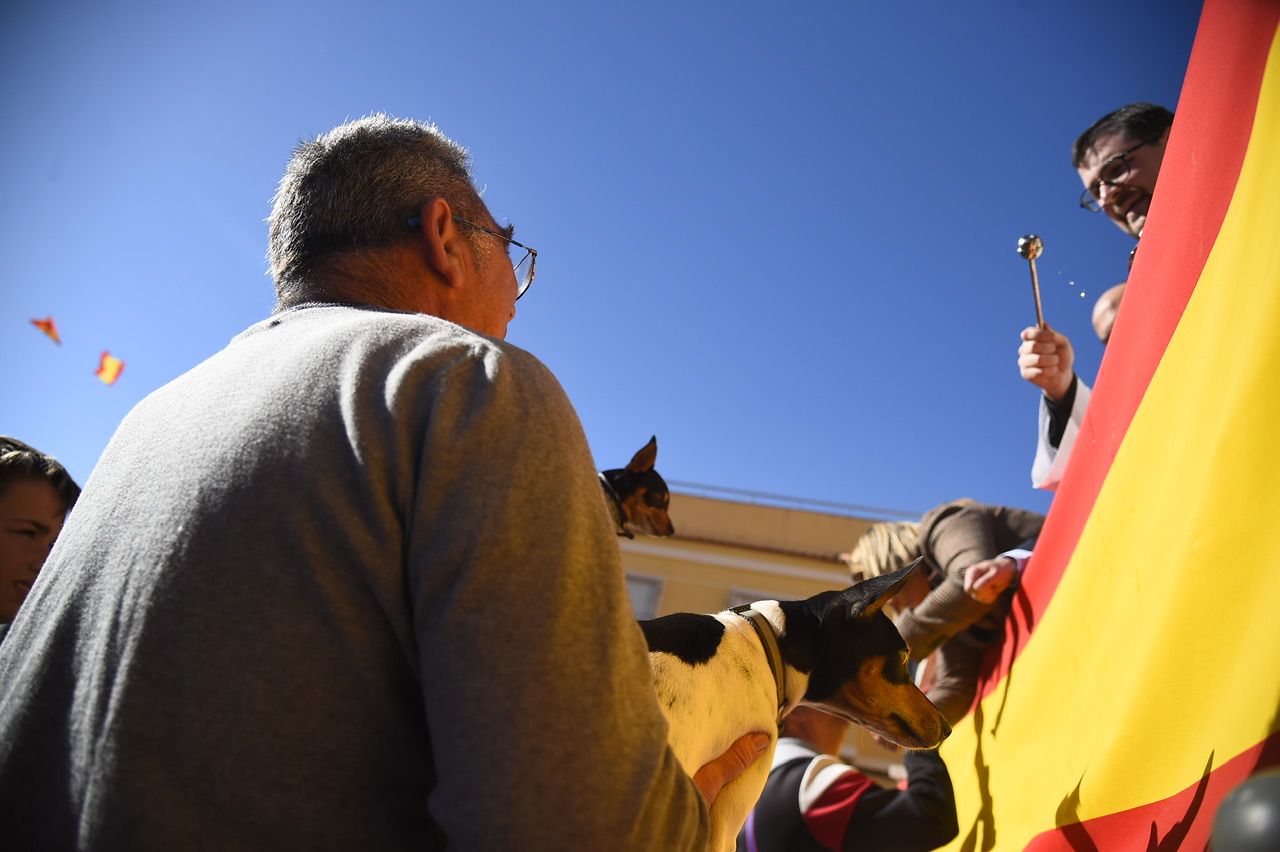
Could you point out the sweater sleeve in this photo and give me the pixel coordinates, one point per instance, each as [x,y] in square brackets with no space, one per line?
[921,817]
[955,536]
[544,723]
[943,613]
[963,537]
[1060,413]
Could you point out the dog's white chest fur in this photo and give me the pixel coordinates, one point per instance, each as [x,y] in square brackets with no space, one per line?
[710,705]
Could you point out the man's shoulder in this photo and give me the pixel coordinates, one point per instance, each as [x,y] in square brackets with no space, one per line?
[962,511]
[375,334]
[341,322]
[298,358]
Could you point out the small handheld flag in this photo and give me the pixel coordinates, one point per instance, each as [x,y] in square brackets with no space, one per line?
[109,368]
[48,326]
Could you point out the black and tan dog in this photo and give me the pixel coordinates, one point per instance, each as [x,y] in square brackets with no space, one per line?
[638,496]
[721,676]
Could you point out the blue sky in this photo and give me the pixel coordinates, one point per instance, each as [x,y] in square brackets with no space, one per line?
[778,236]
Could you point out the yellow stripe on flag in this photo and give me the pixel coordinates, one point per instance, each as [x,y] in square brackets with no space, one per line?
[1159,656]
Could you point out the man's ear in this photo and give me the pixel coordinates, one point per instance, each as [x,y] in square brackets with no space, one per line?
[444,248]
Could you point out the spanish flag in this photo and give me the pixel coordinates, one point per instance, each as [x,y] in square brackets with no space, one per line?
[50,328]
[109,368]
[1139,679]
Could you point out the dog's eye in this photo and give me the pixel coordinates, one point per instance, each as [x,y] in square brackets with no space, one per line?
[895,668]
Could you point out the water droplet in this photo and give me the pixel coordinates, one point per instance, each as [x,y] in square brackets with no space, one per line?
[1083,294]
[1071,283]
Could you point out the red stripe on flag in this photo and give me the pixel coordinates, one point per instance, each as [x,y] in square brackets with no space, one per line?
[1197,181]
[1172,823]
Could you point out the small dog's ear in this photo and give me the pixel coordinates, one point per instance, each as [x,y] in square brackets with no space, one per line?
[645,458]
[870,596]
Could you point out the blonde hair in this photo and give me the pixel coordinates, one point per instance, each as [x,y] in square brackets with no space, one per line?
[884,548]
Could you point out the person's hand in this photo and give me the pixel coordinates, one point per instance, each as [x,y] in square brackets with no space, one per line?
[728,766]
[984,581]
[1047,360]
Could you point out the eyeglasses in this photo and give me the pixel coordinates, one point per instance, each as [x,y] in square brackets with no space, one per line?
[524,267]
[1112,172]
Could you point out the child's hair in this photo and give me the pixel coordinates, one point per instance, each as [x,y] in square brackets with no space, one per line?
[22,461]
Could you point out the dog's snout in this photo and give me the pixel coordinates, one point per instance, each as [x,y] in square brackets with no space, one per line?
[942,732]
[927,733]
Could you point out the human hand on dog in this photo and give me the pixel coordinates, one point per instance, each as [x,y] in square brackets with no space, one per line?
[1047,360]
[728,766]
[984,581]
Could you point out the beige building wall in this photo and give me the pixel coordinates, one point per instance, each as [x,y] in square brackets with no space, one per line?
[727,552]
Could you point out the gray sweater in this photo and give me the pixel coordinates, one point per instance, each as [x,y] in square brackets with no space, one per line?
[348,584]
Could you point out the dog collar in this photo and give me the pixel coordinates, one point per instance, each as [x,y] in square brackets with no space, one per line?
[619,516]
[772,652]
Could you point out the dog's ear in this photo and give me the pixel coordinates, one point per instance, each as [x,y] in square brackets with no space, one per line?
[869,597]
[645,458]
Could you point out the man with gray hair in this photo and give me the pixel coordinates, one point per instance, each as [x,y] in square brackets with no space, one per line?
[349,583]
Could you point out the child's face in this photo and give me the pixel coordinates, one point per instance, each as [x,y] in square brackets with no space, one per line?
[31,514]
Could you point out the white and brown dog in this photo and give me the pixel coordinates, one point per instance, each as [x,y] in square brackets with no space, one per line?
[722,676]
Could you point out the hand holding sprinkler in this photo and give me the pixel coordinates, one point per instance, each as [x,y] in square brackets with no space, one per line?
[1032,247]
